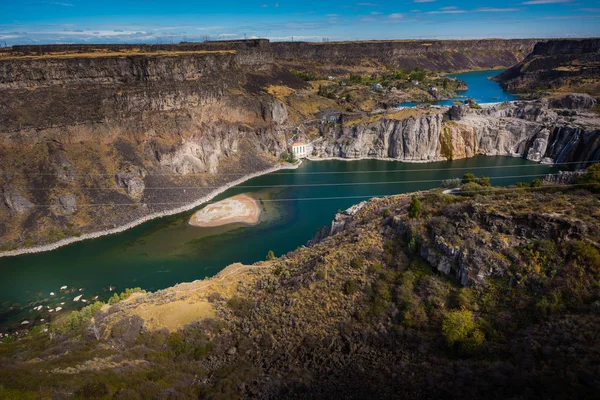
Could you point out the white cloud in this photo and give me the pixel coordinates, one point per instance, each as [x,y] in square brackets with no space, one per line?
[492,9]
[332,15]
[396,16]
[530,2]
[447,10]
[367,4]
[375,12]
[56,3]
[423,1]
[593,10]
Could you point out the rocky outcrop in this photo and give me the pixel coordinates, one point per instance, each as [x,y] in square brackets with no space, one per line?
[65,204]
[564,177]
[525,129]
[132,179]
[574,101]
[414,139]
[341,221]
[562,64]
[16,201]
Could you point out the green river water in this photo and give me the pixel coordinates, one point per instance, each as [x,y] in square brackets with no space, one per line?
[166,251]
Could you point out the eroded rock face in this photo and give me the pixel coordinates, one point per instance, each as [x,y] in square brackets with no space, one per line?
[65,204]
[132,179]
[414,139]
[16,201]
[524,129]
[201,153]
[575,101]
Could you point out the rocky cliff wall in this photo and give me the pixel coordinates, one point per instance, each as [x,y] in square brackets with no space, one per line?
[524,129]
[559,65]
[80,132]
[436,55]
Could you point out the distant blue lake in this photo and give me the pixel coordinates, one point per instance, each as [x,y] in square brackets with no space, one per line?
[481,88]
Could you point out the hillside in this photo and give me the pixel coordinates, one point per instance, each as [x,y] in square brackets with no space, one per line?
[561,65]
[489,292]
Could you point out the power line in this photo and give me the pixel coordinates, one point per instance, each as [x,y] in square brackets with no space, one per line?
[482,190]
[333,172]
[302,184]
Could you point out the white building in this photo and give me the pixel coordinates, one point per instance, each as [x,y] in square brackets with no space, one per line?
[301,150]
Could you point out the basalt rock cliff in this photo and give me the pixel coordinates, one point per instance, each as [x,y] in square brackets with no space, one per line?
[524,129]
[435,55]
[566,65]
[80,131]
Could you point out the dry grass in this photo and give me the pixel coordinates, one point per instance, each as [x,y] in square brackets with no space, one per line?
[174,315]
[98,54]
[280,92]
[394,115]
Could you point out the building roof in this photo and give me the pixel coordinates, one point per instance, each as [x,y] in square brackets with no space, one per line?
[298,144]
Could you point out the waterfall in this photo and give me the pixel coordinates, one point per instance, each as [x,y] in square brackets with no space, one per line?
[568,147]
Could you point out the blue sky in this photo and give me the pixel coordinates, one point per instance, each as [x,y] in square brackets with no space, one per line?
[159,21]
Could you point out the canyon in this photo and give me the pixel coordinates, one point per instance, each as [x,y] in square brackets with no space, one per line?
[95,137]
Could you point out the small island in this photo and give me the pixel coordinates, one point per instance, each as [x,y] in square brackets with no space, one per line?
[237,209]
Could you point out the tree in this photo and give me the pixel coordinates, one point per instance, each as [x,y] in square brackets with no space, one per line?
[415,207]
[459,328]
[270,255]
[468,178]
[484,181]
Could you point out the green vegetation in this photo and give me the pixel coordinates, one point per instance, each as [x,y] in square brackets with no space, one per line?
[386,213]
[270,255]
[115,298]
[415,207]
[306,76]
[357,263]
[460,330]
[592,177]
[78,319]
[289,158]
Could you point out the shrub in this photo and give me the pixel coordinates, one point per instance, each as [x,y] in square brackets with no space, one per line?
[357,263]
[537,183]
[270,255]
[473,189]
[386,213]
[375,268]
[468,178]
[351,287]
[484,181]
[592,177]
[459,329]
[78,319]
[415,208]
[239,306]
[451,183]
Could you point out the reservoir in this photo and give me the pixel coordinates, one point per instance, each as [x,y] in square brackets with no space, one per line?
[167,251]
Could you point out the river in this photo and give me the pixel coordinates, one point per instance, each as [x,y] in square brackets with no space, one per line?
[166,251]
[296,203]
[481,88]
